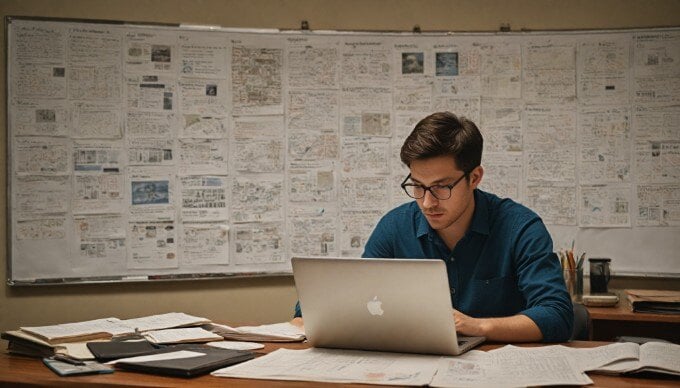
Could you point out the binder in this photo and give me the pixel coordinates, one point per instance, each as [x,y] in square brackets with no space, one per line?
[25,347]
[654,301]
[214,358]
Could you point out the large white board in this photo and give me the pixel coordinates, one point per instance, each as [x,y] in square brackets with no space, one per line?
[152,152]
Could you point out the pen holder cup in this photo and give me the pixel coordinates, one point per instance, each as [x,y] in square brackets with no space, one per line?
[599,275]
[573,278]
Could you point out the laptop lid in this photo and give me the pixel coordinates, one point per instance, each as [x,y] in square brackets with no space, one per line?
[397,305]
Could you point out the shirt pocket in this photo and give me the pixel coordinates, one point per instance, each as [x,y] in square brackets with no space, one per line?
[495,297]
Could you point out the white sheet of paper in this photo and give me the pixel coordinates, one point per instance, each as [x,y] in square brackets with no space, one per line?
[283,329]
[236,345]
[592,358]
[160,357]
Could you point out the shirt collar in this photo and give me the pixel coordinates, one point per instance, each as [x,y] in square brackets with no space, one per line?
[480,218]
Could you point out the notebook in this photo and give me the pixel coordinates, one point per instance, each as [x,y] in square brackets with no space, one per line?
[395,305]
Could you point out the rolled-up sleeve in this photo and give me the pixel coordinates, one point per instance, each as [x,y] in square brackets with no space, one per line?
[540,281]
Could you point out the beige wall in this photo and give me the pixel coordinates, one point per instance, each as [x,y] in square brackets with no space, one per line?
[270,299]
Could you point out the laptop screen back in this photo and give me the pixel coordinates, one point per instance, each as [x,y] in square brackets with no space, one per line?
[397,305]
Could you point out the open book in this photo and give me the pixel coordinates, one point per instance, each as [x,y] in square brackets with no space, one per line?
[277,332]
[658,357]
[108,328]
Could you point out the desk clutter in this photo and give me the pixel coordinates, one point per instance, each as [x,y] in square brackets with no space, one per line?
[509,366]
[105,345]
[174,344]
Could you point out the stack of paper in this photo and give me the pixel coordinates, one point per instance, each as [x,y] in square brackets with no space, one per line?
[182,335]
[79,331]
[164,321]
[277,332]
[107,328]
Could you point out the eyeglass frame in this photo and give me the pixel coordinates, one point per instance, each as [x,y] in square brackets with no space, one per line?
[429,188]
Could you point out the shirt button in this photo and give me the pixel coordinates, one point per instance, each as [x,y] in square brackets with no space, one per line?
[453,258]
[453,291]
[487,282]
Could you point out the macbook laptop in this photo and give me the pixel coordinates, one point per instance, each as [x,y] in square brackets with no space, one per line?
[394,305]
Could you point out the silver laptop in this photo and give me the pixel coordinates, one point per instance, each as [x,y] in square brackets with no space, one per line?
[394,305]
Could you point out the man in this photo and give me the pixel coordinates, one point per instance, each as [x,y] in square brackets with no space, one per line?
[506,282]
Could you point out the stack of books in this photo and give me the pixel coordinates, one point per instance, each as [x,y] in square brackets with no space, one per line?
[71,339]
[169,344]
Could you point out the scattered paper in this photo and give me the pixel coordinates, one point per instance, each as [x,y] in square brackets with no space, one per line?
[276,332]
[339,366]
[174,336]
[511,366]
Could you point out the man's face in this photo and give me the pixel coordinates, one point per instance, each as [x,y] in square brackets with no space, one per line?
[442,170]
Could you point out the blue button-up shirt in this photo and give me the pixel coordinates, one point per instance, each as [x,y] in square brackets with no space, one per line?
[504,264]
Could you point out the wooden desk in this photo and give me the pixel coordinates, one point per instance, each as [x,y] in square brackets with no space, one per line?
[611,322]
[22,371]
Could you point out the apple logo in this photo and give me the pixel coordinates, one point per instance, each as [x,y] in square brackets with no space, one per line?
[374,306]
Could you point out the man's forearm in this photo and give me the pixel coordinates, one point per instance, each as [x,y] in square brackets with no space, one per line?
[517,328]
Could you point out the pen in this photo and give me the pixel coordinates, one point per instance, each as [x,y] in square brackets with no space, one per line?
[66,359]
[570,259]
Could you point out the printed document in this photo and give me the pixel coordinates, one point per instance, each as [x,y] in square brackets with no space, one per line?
[338,366]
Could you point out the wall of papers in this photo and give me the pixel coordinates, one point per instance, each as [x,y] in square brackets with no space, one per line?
[150,152]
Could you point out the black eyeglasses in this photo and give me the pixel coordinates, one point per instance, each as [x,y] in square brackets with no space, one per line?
[440,192]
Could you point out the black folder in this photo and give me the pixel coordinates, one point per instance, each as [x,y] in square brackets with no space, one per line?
[213,358]
[107,351]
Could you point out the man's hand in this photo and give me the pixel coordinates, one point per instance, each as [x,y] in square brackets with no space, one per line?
[518,328]
[298,322]
[466,325]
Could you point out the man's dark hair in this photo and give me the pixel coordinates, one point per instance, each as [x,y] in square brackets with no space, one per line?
[444,134]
